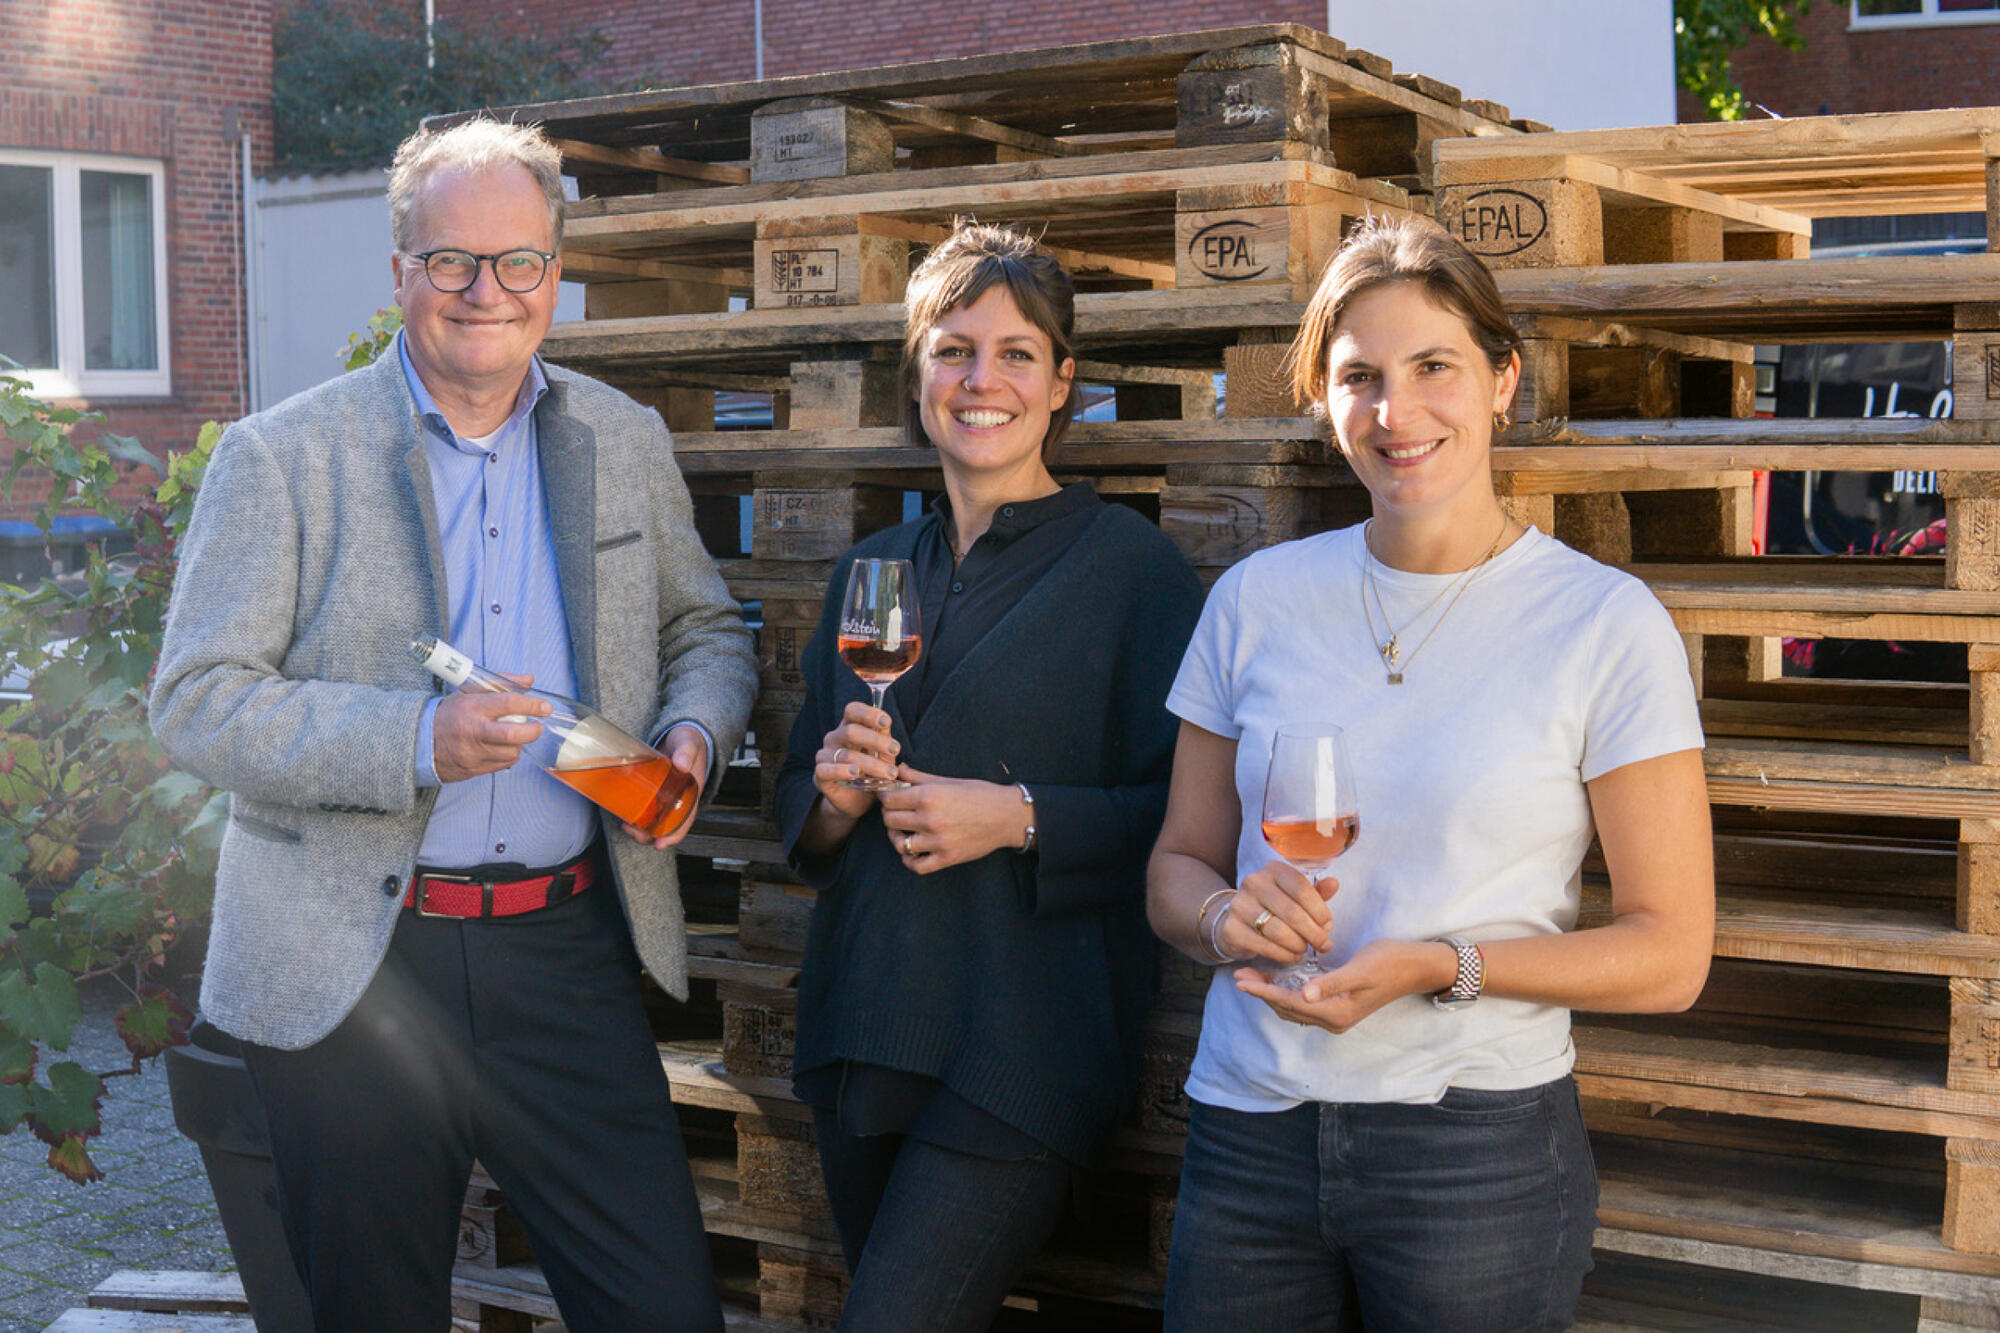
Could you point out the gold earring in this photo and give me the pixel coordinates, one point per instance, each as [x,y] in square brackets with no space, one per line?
[1501,421]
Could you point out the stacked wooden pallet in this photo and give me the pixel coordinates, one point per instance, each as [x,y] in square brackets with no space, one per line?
[753,239]
[1828,1112]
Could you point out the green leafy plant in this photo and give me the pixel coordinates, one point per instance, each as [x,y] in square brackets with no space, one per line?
[351,81]
[1708,34]
[363,348]
[107,857]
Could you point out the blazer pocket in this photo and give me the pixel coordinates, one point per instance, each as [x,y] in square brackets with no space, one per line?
[622,539]
[259,828]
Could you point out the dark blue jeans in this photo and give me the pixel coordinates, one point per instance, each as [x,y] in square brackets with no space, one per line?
[1474,1215]
[935,1238]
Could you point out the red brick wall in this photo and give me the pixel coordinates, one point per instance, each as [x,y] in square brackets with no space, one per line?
[688,43]
[1870,69]
[175,80]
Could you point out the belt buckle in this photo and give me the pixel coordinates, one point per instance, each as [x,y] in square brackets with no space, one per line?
[423,892]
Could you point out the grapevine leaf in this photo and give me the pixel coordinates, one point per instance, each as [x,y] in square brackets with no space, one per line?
[68,1105]
[128,450]
[154,1022]
[16,1101]
[17,1059]
[72,1159]
[13,901]
[45,1010]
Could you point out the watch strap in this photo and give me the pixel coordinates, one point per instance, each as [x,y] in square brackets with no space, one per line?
[1470,978]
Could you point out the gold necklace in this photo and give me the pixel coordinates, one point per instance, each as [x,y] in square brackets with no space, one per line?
[1390,649]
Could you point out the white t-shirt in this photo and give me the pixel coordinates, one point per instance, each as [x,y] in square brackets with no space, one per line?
[1549,670]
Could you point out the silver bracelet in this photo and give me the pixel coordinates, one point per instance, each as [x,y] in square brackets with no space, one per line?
[1215,934]
[1028,799]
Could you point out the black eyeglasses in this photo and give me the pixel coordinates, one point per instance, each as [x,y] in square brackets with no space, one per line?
[517,271]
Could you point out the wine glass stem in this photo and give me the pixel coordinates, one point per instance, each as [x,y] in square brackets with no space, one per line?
[1314,958]
[878,691]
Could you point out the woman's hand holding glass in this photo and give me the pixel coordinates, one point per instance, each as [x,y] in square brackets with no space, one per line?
[1380,971]
[937,822]
[860,747]
[1276,914]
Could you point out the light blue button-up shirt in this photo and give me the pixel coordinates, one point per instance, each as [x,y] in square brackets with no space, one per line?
[506,614]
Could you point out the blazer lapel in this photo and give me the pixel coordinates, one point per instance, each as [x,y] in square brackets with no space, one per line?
[567,450]
[420,486]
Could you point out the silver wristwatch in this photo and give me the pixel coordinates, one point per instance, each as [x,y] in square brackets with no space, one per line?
[1465,987]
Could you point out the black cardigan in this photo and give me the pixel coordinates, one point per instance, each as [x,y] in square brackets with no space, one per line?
[1024,993]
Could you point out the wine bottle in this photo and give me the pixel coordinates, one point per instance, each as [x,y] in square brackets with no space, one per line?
[580,747]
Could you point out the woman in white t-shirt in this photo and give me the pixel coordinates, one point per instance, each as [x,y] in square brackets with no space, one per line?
[1398,1141]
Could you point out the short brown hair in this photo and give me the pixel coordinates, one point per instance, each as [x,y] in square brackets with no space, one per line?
[1398,249]
[966,265]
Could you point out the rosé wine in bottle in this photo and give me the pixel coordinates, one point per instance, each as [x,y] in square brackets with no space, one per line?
[581,748]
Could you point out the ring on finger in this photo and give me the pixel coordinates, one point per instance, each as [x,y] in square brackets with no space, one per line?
[839,754]
[906,844]
[1263,920]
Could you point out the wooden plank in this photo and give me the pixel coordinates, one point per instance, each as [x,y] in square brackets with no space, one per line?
[1077,66]
[637,221]
[518,1287]
[650,162]
[1820,1087]
[1618,186]
[808,138]
[1554,223]
[581,265]
[1972,1196]
[970,127]
[1762,792]
[170,1291]
[1805,164]
[92,1320]
[1251,94]
[1805,720]
[1899,295]
[1937,772]
[1710,1249]
[1879,939]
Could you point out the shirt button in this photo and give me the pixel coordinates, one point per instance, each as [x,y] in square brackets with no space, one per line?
[958,587]
[496,608]
[492,458]
[1007,511]
[493,532]
[499,846]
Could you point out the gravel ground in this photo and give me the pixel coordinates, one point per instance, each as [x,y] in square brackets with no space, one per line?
[153,1209]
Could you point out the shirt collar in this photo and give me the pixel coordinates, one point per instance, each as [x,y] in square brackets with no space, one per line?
[1018,517]
[532,388]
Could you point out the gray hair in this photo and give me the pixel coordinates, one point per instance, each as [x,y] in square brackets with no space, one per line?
[476,145]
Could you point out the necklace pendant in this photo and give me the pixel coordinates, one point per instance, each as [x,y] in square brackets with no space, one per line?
[1395,678]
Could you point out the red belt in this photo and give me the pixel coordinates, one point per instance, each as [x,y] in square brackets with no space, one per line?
[442,893]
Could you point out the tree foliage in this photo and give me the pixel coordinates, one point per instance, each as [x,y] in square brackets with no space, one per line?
[350,82]
[106,856]
[1707,33]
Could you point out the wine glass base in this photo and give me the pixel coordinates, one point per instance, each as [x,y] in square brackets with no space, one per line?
[874,784]
[1297,975]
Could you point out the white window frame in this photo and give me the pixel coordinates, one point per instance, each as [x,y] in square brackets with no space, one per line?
[1928,17]
[68,378]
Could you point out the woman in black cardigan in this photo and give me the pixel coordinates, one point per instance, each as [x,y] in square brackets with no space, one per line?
[973,997]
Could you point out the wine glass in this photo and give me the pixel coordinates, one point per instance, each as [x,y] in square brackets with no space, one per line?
[1310,814]
[879,635]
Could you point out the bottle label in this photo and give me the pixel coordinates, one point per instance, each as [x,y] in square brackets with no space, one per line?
[443,661]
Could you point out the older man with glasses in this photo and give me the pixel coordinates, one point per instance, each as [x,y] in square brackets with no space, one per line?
[535,519]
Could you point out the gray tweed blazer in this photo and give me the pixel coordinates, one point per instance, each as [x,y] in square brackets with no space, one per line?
[312,560]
